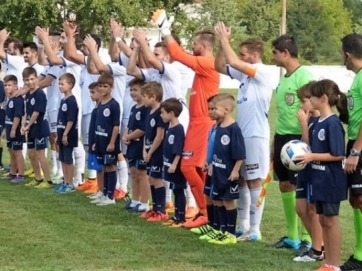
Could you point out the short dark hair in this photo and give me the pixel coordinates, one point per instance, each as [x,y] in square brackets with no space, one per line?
[31,45]
[11,78]
[173,105]
[54,33]
[286,43]
[69,78]
[98,41]
[153,89]
[206,35]
[28,71]
[106,79]
[93,85]
[17,44]
[136,81]
[161,44]
[253,45]
[352,44]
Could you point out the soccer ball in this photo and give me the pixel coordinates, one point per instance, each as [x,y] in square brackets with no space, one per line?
[290,151]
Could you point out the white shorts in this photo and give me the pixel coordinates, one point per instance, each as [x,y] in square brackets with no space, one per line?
[184,117]
[86,119]
[124,124]
[256,164]
[52,120]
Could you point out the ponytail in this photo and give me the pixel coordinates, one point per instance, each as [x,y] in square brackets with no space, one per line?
[341,106]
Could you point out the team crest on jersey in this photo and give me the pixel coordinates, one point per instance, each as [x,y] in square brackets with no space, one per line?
[11,104]
[171,139]
[322,135]
[350,102]
[138,116]
[289,98]
[32,101]
[64,107]
[225,140]
[106,112]
[152,122]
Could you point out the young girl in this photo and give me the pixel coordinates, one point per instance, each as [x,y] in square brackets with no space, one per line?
[328,178]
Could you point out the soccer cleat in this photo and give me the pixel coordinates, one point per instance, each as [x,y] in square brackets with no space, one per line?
[96,195]
[303,248]
[202,230]
[28,172]
[44,184]
[352,265]
[18,179]
[58,187]
[8,177]
[170,208]
[67,189]
[127,198]
[325,267]
[32,175]
[7,168]
[211,235]
[177,224]
[6,174]
[169,222]
[191,212]
[158,217]
[198,221]
[309,256]
[119,194]
[138,209]
[239,231]
[148,214]
[129,206]
[225,239]
[33,183]
[106,201]
[285,242]
[57,179]
[92,190]
[249,237]
[100,198]
[86,185]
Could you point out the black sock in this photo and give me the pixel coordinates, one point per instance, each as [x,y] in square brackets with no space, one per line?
[231,216]
[82,176]
[105,183]
[222,218]
[39,181]
[112,183]
[176,215]
[180,203]
[322,248]
[317,252]
[50,182]
[216,225]
[161,199]
[1,156]
[154,198]
[210,214]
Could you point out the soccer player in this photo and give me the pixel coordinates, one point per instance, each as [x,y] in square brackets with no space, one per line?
[107,141]
[227,159]
[153,152]
[285,54]
[134,138]
[30,51]
[172,151]
[36,129]
[15,140]
[206,84]
[328,179]
[253,104]
[67,134]
[352,56]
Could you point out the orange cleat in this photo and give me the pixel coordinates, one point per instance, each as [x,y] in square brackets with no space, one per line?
[325,267]
[148,214]
[191,212]
[119,194]
[158,217]
[88,184]
[92,190]
[198,221]
[170,208]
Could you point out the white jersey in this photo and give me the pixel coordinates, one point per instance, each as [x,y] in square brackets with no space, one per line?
[119,74]
[15,66]
[53,92]
[169,78]
[85,80]
[253,100]
[40,71]
[128,102]
[186,77]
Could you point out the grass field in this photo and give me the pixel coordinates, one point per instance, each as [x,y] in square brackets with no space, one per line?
[44,231]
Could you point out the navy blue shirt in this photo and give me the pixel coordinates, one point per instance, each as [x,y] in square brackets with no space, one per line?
[228,148]
[92,131]
[328,178]
[173,145]
[137,121]
[108,116]
[2,102]
[210,144]
[14,108]
[68,111]
[154,121]
[37,102]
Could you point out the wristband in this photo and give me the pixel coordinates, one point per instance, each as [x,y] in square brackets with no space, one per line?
[118,39]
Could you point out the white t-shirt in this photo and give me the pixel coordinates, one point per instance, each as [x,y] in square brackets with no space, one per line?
[119,74]
[128,102]
[53,92]
[169,78]
[186,77]
[40,71]
[253,100]
[15,66]
[85,81]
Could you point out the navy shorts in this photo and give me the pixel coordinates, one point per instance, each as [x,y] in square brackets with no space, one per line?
[137,163]
[93,162]
[327,208]
[304,191]
[38,143]
[226,193]
[107,159]
[15,145]
[176,180]
[66,154]
[155,171]
[207,186]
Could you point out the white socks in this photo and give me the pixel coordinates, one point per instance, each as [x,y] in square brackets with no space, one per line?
[79,157]
[191,202]
[54,162]
[256,213]
[168,191]
[25,150]
[122,175]
[244,208]
[92,174]
[59,167]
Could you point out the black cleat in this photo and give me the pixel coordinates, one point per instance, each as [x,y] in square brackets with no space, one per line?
[352,265]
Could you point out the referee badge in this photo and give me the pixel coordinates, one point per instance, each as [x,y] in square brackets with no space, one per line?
[289,98]
[350,102]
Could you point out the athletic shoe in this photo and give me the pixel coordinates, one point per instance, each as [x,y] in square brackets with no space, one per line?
[67,189]
[44,184]
[239,231]
[6,174]
[158,217]
[202,230]
[177,224]
[18,179]
[138,209]
[211,235]
[28,172]
[92,190]
[303,248]
[198,221]
[325,267]
[7,168]
[99,199]
[8,177]
[129,206]
[86,185]
[96,195]
[127,198]
[119,194]
[225,239]
[57,179]
[147,214]
[170,222]
[33,183]
[285,242]
[106,201]
[32,175]
[58,187]
[170,208]
[309,256]
[191,212]
[249,237]
[352,265]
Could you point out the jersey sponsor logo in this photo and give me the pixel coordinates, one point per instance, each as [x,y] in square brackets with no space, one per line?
[106,112]
[64,107]
[252,167]
[225,140]
[289,98]
[32,101]
[318,167]
[11,104]
[350,102]
[187,154]
[138,116]
[321,135]
[356,186]
[234,189]
[171,139]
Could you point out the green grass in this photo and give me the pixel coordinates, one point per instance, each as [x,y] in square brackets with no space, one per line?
[41,230]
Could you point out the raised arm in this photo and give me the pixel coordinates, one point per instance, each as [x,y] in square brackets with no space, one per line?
[117,33]
[3,37]
[220,64]
[132,68]
[71,52]
[94,63]
[43,36]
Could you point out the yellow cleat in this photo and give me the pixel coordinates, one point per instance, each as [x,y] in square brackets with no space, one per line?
[33,183]
[28,172]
